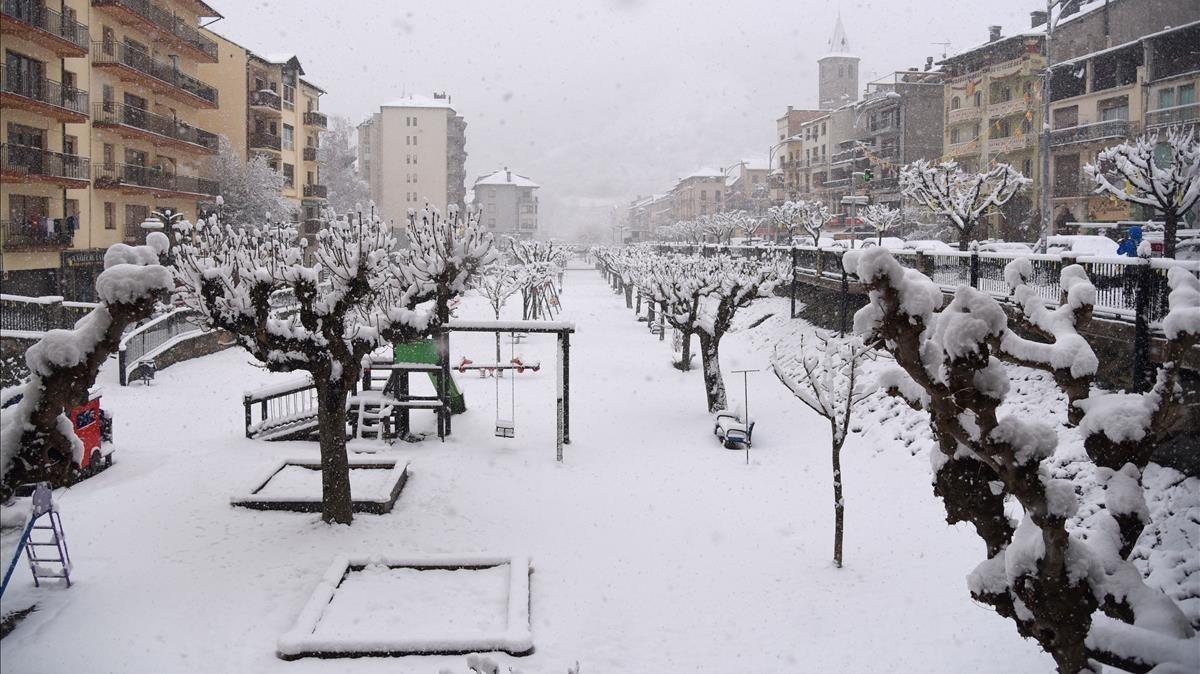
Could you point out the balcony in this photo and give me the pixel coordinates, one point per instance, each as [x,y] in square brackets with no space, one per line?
[131,122]
[43,96]
[1086,133]
[310,153]
[35,22]
[964,114]
[132,179]
[315,119]
[316,192]
[1179,114]
[261,140]
[164,25]
[849,155]
[135,65]
[265,100]
[1016,105]
[22,164]
[33,232]
[1011,144]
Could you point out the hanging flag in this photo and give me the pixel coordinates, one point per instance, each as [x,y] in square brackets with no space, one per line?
[971,87]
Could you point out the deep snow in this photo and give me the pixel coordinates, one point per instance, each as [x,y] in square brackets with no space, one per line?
[654,549]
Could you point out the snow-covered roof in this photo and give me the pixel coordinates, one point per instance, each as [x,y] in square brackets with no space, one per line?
[706,172]
[417,101]
[1124,45]
[505,177]
[278,57]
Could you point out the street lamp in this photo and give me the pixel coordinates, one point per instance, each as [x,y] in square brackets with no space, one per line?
[1044,144]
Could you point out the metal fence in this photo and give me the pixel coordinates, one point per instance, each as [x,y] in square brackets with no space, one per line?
[39,314]
[146,338]
[279,406]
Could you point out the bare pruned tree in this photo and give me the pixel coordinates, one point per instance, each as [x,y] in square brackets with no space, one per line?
[963,198]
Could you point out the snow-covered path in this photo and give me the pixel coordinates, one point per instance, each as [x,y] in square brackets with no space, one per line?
[654,549]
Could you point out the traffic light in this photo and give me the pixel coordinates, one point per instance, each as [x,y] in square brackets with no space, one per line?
[867,176]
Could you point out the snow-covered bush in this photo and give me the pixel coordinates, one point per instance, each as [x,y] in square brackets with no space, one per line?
[827,377]
[1166,182]
[37,438]
[963,198]
[359,292]
[1073,590]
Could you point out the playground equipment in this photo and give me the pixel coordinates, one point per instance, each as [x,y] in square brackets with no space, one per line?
[42,567]
[497,369]
[92,425]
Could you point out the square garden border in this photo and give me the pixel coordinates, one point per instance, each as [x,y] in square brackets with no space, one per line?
[516,639]
[379,503]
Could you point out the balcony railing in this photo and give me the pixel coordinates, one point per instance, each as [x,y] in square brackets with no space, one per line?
[45,91]
[131,175]
[166,21]
[1116,128]
[1005,108]
[34,161]
[964,114]
[119,53]
[119,114]
[310,153]
[261,140]
[316,191]
[35,232]
[1179,114]
[1011,143]
[47,20]
[317,119]
[265,98]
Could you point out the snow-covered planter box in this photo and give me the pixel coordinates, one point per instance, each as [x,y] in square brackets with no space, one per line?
[392,606]
[295,484]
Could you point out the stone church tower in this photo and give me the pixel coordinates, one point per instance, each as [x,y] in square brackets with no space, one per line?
[837,71]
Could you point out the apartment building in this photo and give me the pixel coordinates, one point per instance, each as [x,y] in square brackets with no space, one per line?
[99,104]
[789,149]
[1104,97]
[746,187]
[278,116]
[413,153]
[701,192]
[507,204]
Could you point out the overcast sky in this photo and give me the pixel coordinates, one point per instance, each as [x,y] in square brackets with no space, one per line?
[602,100]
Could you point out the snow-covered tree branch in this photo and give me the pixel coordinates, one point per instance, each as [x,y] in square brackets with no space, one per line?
[1137,172]
[251,191]
[1073,591]
[37,439]
[881,218]
[335,160]
[963,198]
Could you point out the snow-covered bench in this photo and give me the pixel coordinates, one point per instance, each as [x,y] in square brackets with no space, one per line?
[732,431]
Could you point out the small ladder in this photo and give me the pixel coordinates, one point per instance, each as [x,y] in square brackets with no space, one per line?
[56,562]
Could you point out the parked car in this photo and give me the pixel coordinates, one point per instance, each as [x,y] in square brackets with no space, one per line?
[1188,250]
[929,245]
[1080,244]
[1004,247]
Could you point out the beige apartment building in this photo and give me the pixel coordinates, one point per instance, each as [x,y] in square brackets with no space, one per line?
[1104,97]
[508,207]
[412,153]
[276,115]
[790,150]
[99,105]
[699,193]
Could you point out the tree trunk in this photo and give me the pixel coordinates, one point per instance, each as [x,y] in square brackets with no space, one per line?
[839,507]
[628,288]
[1170,226]
[336,505]
[685,352]
[964,238]
[714,384]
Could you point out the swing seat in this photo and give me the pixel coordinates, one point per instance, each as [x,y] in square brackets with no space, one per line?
[505,429]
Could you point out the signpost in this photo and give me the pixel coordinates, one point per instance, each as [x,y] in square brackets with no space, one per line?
[746,401]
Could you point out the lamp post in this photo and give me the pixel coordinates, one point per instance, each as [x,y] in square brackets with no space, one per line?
[746,401]
[1044,142]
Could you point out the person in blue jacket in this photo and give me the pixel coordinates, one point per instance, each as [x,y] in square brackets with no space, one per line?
[1129,245]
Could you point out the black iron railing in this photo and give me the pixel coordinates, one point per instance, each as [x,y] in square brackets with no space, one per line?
[138,118]
[35,231]
[166,21]
[37,15]
[265,98]
[316,191]
[43,90]
[317,119]
[118,175]
[261,140]
[119,53]
[34,161]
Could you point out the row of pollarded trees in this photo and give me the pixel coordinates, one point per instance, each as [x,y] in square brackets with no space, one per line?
[1160,171]
[698,296]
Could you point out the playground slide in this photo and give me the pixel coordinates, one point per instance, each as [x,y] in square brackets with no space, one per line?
[424,352]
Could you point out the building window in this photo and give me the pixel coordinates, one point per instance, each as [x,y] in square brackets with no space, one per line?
[978,99]
[1187,94]
[289,97]
[1027,168]
[135,215]
[289,137]
[289,176]
[717,194]
[954,136]
[110,215]
[955,103]
[1114,109]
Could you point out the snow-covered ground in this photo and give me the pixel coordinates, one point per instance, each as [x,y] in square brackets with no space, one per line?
[654,549]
